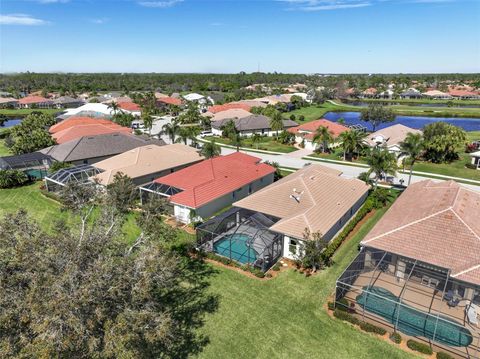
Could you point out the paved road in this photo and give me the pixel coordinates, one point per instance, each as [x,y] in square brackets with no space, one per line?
[287,160]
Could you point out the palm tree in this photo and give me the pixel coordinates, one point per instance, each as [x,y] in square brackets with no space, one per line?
[276,123]
[381,162]
[323,135]
[171,130]
[114,107]
[183,135]
[412,147]
[256,139]
[228,129]
[236,140]
[210,149]
[193,132]
[352,142]
[147,121]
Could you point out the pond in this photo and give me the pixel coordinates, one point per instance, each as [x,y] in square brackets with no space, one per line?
[11,122]
[353,118]
[365,104]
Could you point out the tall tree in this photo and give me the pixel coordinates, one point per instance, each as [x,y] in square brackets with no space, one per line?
[412,147]
[32,133]
[210,150]
[147,121]
[442,141]
[172,130]
[381,162]
[256,139]
[352,142]
[324,136]
[377,114]
[121,193]
[276,123]
[236,140]
[114,107]
[228,128]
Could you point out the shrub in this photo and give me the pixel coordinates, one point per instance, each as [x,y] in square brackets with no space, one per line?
[443,355]
[331,305]
[471,166]
[396,338]
[419,347]
[370,328]
[342,304]
[12,178]
[346,317]
[301,118]
[268,275]
[335,243]
[276,267]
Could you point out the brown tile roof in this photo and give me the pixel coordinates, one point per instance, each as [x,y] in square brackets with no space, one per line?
[33,99]
[322,198]
[309,128]
[436,223]
[393,134]
[229,106]
[78,131]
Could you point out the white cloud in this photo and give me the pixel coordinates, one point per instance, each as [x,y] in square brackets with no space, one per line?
[160,4]
[323,5]
[99,21]
[53,1]
[21,19]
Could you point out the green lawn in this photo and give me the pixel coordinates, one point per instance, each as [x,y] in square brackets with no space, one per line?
[4,151]
[421,101]
[25,111]
[284,317]
[266,144]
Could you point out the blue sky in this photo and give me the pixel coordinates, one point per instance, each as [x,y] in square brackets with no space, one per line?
[302,36]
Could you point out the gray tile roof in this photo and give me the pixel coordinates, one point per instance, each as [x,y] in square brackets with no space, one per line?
[250,123]
[98,146]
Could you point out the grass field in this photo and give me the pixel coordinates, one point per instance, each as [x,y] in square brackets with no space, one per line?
[284,317]
[266,144]
[421,101]
[25,111]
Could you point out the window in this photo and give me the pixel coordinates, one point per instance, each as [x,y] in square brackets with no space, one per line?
[293,246]
[250,189]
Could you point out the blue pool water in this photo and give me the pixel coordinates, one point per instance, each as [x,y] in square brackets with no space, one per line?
[353,118]
[236,247]
[412,321]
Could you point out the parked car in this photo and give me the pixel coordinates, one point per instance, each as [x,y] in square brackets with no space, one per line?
[206,133]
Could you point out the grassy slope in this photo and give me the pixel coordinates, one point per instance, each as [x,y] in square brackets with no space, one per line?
[284,317]
[267,144]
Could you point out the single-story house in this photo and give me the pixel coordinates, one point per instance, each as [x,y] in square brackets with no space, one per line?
[387,94]
[68,102]
[247,126]
[251,103]
[315,197]
[305,133]
[78,131]
[33,164]
[464,95]
[369,93]
[146,163]
[6,102]
[476,159]
[168,101]
[35,102]
[201,190]
[411,93]
[194,97]
[390,137]
[92,149]
[91,109]
[229,106]
[421,261]
[232,113]
[437,95]
[79,120]
[131,107]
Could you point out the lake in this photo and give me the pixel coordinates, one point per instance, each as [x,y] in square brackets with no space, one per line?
[11,122]
[353,118]
[366,104]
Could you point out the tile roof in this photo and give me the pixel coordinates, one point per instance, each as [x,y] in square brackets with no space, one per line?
[229,106]
[213,178]
[314,197]
[33,99]
[460,93]
[88,147]
[129,106]
[252,123]
[170,100]
[230,114]
[308,129]
[87,130]
[8,100]
[392,135]
[436,223]
[78,120]
[146,160]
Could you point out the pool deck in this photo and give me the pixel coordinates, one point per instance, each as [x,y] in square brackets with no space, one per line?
[419,296]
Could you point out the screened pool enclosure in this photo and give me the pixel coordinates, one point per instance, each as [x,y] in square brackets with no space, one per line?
[414,298]
[79,174]
[242,236]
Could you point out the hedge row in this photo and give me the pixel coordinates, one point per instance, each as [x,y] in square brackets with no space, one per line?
[442,355]
[396,338]
[419,347]
[346,317]
[256,272]
[335,243]
[12,178]
[367,327]
[370,328]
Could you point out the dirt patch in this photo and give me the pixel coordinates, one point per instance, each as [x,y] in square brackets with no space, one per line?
[178,225]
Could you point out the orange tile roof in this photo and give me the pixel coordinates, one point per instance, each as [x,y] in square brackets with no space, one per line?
[213,178]
[87,130]
[78,120]
[129,106]
[462,93]
[436,223]
[170,100]
[308,129]
[33,99]
[229,106]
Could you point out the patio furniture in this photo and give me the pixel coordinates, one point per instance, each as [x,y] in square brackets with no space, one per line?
[453,302]
[448,296]
[472,315]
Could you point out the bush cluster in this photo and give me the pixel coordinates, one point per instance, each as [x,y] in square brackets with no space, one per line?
[419,347]
[396,338]
[335,243]
[256,272]
[276,267]
[342,304]
[12,178]
[370,328]
[331,305]
[443,355]
[345,316]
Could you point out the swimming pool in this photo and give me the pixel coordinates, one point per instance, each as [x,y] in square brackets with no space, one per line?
[412,321]
[236,247]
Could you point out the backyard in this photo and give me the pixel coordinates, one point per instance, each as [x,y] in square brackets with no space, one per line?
[281,317]
[265,144]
